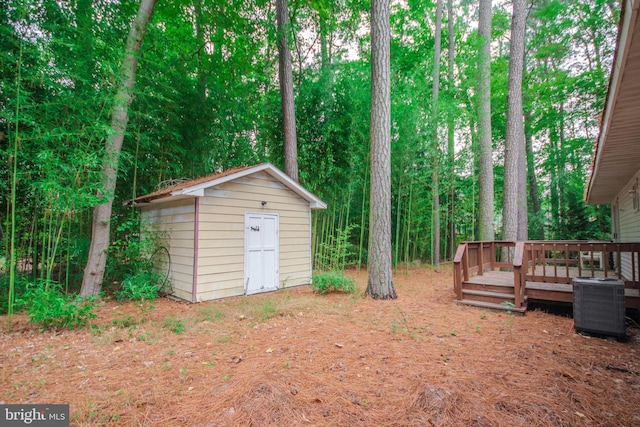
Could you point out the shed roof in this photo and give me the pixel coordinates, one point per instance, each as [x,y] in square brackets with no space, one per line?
[617,150]
[196,187]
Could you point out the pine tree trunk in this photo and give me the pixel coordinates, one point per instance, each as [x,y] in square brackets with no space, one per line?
[380,280]
[514,174]
[451,133]
[285,74]
[435,255]
[483,89]
[532,180]
[96,262]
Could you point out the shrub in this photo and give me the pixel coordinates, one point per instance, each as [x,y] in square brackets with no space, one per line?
[49,307]
[139,264]
[142,285]
[332,281]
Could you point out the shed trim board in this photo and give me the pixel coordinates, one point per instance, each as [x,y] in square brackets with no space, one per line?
[196,247]
[205,226]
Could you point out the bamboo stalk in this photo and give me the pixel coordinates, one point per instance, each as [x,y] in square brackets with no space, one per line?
[398,217]
[406,257]
[12,240]
[362,217]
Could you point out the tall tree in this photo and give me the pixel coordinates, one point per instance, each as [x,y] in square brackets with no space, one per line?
[285,74]
[380,280]
[435,90]
[94,270]
[451,130]
[485,148]
[514,216]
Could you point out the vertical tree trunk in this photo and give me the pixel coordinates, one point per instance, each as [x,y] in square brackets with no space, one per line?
[94,270]
[285,75]
[451,133]
[435,254]
[380,280]
[537,231]
[483,89]
[514,143]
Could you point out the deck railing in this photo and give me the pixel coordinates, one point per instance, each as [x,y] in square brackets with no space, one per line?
[547,261]
[559,261]
[474,258]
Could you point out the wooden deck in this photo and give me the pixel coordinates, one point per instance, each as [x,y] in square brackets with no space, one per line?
[506,275]
[501,282]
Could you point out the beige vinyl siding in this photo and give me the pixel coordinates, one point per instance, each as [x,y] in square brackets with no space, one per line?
[172,225]
[221,238]
[629,226]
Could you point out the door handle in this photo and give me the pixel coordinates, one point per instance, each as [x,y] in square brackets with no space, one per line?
[256,228]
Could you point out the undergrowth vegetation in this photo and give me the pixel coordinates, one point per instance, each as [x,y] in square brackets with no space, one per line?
[333,281]
[49,307]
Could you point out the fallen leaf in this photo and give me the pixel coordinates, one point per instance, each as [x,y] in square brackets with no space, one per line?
[269,350]
[339,345]
[580,414]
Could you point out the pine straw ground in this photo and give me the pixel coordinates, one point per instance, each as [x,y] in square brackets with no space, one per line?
[293,358]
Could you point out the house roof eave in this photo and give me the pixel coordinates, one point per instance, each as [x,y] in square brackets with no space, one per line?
[612,165]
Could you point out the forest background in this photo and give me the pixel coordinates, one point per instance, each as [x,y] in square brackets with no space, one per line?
[207,99]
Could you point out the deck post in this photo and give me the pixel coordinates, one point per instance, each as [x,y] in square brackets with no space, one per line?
[493,255]
[457,269]
[481,259]
[465,262]
[518,283]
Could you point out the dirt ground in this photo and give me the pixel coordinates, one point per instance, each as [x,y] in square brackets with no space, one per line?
[294,358]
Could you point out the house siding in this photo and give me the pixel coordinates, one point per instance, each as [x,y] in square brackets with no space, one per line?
[629,226]
[221,234]
[172,225]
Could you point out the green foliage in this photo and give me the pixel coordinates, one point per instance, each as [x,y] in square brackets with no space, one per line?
[335,250]
[139,286]
[20,286]
[267,310]
[174,325]
[142,274]
[48,307]
[332,281]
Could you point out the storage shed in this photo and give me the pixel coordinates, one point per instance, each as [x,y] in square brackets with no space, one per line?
[242,231]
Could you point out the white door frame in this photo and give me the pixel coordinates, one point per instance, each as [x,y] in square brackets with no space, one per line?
[247,258]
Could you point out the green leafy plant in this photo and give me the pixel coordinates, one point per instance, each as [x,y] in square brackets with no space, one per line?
[139,263]
[142,285]
[508,305]
[267,311]
[49,307]
[333,282]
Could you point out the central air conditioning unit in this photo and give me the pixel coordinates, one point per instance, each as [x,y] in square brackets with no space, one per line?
[599,306]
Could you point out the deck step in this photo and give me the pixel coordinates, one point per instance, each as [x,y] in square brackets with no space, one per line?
[492,306]
[499,295]
[488,296]
[493,287]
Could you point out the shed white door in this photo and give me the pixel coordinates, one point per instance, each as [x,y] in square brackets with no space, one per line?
[261,252]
